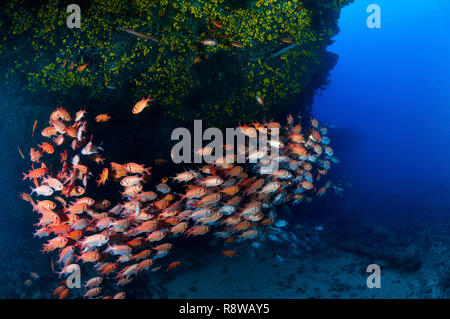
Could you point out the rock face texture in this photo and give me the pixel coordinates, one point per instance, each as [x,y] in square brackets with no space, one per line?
[223,61]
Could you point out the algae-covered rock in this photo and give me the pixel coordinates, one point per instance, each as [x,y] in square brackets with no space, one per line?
[125,50]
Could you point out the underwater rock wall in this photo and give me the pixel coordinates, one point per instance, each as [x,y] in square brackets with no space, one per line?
[198,59]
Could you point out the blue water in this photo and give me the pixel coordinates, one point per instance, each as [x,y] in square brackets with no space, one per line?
[390,91]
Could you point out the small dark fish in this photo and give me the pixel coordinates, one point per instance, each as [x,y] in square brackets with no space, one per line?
[20,152]
[217,23]
[52,264]
[34,127]
[141,35]
[160,161]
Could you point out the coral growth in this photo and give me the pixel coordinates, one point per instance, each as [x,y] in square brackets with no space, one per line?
[269,48]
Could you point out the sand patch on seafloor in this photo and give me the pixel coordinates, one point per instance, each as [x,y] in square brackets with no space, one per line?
[328,273]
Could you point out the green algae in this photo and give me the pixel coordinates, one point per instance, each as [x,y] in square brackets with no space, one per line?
[187,79]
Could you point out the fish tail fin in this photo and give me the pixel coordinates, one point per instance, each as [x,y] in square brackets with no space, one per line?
[45,249]
[35,207]
[195,203]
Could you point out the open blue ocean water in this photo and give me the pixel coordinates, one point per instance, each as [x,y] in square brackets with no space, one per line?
[388,107]
[389,95]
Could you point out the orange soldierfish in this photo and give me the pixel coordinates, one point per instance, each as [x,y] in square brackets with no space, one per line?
[26,197]
[34,127]
[82,67]
[77,208]
[49,131]
[229,253]
[142,255]
[103,177]
[314,122]
[75,235]
[47,147]
[93,292]
[64,293]
[61,229]
[136,242]
[61,114]
[94,282]
[208,42]
[130,180]
[197,230]
[60,127]
[64,156]
[173,265]
[195,193]
[102,118]
[97,158]
[299,150]
[260,100]
[145,264]
[230,190]
[35,155]
[109,268]
[196,60]
[290,119]
[120,295]
[160,161]
[46,204]
[141,105]
[163,247]
[156,236]
[91,256]
[58,242]
[179,228]
[242,226]
[36,173]
[59,290]
[20,152]
[315,136]
[249,234]
[217,23]
[136,168]
[79,115]
[59,140]
[184,177]
[297,129]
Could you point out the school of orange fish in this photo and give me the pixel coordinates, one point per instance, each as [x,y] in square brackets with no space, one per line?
[121,240]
